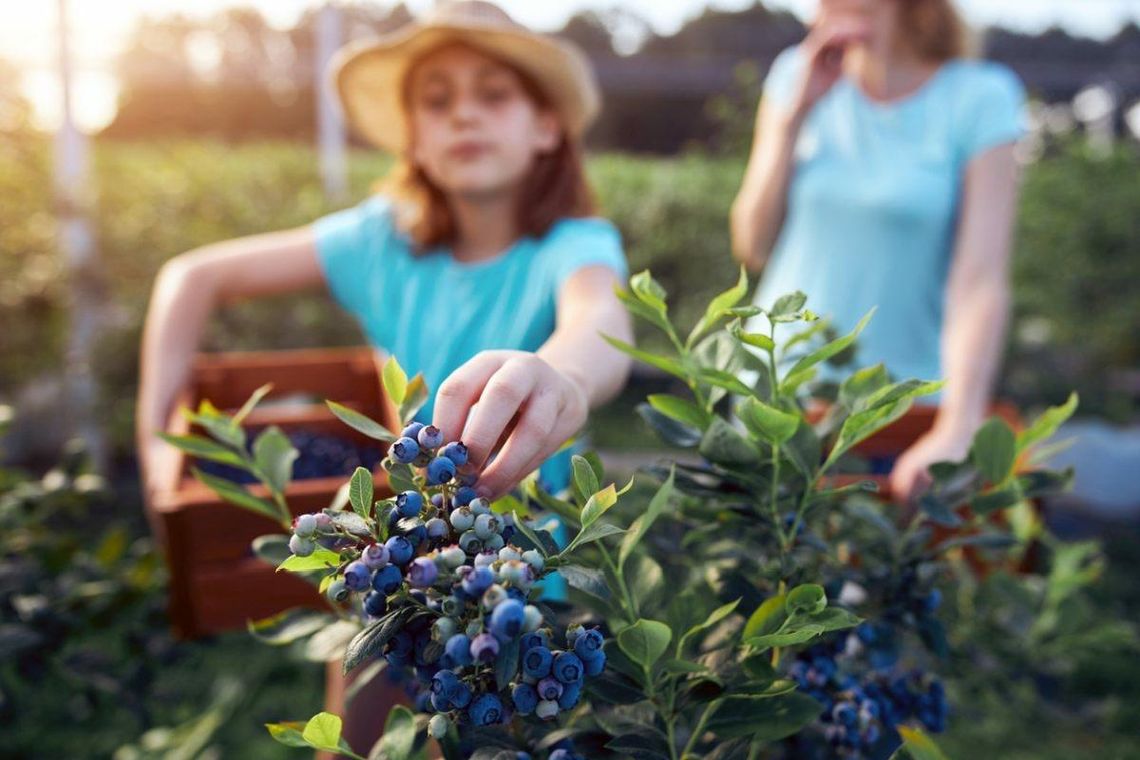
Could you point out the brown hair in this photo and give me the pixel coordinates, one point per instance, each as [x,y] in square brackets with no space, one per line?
[932,28]
[554,188]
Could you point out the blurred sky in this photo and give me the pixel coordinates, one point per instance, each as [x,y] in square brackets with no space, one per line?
[99,28]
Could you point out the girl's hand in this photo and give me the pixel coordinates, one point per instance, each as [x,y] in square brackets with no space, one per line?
[511,404]
[911,477]
[823,50]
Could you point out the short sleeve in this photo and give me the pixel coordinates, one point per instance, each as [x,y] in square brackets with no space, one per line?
[994,106]
[349,243]
[781,77]
[576,243]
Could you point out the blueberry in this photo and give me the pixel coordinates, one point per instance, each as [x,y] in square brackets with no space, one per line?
[509,553]
[412,430]
[439,701]
[375,556]
[933,600]
[546,710]
[493,596]
[534,559]
[549,688]
[430,437]
[422,572]
[596,664]
[405,450]
[480,506]
[588,643]
[462,519]
[452,556]
[571,692]
[414,530]
[531,640]
[437,500]
[477,580]
[305,526]
[507,620]
[302,547]
[338,591]
[462,696]
[463,495]
[486,710]
[525,698]
[487,526]
[456,452]
[437,726]
[400,550]
[470,543]
[375,604]
[410,503]
[567,667]
[357,575]
[446,683]
[437,529]
[439,471]
[537,661]
[484,648]
[458,648]
[387,579]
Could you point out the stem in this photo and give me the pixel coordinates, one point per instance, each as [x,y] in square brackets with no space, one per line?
[775,498]
[699,728]
[626,600]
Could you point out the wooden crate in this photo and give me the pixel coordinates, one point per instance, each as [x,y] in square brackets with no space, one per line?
[216,583]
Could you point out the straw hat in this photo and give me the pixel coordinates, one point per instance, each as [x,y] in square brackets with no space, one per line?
[369,75]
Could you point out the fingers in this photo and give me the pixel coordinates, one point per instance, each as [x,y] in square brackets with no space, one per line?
[503,396]
[529,443]
[461,390]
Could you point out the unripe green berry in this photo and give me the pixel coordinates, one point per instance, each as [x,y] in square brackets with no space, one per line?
[438,726]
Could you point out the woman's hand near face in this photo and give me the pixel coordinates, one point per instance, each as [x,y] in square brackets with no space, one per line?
[823,51]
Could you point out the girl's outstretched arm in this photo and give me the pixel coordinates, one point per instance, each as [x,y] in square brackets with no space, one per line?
[186,291]
[523,406]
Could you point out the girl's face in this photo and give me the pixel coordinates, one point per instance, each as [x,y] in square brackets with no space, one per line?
[475,129]
[875,16]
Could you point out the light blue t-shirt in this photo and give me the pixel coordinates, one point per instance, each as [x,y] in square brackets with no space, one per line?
[433,312]
[874,200]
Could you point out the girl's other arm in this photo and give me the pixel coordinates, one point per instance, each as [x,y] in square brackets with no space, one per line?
[186,290]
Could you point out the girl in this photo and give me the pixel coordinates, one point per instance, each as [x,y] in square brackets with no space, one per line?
[479,264]
[883,174]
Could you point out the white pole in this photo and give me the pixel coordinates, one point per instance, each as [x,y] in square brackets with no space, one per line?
[330,131]
[77,244]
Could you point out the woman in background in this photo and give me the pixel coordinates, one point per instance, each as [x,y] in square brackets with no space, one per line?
[883,174]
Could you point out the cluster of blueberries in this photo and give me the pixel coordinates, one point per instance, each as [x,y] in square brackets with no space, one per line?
[448,555]
[861,714]
[319,455]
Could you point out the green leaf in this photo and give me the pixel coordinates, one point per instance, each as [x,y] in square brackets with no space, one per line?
[373,638]
[719,305]
[802,628]
[767,719]
[272,548]
[919,745]
[787,307]
[994,450]
[808,598]
[643,310]
[204,448]
[566,511]
[645,641]
[668,429]
[767,422]
[288,626]
[586,579]
[361,423]
[217,424]
[321,559]
[679,409]
[877,411]
[640,745]
[253,400]
[323,732]
[663,363]
[236,494]
[862,383]
[395,380]
[721,379]
[767,618]
[1046,425]
[415,396]
[360,492]
[723,444]
[274,455]
[642,524]
[585,479]
[288,733]
[507,663]
[828,350]
[352,522]
[757,340]
[720,613]
[401,477]
[597,505]
[594,532]
[648,290]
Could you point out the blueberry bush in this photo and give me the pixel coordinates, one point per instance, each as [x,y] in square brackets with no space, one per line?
[750,597]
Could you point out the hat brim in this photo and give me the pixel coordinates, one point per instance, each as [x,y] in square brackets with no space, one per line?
[368,76]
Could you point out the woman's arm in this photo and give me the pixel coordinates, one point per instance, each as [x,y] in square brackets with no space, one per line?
[539,400]
[977,312]
[758,211]
[186,291]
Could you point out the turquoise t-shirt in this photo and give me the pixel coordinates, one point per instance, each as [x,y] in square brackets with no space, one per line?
[874,199]
[433,312]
